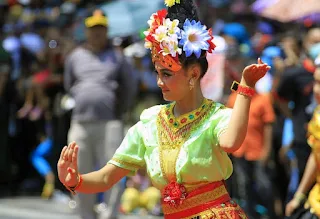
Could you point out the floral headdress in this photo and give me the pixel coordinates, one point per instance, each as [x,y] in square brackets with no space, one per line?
[170,38]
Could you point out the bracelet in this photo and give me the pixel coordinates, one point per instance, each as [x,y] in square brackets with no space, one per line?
[242,89]
[300,197]
[74,188]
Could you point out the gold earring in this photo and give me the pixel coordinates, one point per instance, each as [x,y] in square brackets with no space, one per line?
[191,84]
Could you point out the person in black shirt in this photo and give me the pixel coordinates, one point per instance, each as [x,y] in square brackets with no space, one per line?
[296,86]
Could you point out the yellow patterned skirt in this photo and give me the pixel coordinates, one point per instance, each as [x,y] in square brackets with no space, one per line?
[211,201]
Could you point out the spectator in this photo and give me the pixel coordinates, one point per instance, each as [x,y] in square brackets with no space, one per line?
[100,81]
[296,86]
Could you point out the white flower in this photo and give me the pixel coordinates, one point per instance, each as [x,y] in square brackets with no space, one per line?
[160,33]
[172,26]
[170,46]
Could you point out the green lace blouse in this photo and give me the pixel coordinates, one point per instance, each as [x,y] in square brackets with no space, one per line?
[185,149]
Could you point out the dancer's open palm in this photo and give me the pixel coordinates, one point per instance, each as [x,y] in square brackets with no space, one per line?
[68,165]
[252,73]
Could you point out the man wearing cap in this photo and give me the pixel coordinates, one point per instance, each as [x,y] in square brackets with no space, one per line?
[98,78]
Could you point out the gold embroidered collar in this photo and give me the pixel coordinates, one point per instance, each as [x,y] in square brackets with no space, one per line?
[177,123]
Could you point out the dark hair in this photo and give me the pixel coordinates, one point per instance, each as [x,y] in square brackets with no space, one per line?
[187,9]
[188,61]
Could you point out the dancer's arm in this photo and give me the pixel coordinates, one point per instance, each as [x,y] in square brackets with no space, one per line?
[309,176]
[232,138]
[94,182]
[308,179]
[103,179]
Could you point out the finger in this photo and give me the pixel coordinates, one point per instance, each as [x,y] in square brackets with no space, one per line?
[263,67]
[75,156]
[63,152]
[70,152]
[65,156]
[72,144]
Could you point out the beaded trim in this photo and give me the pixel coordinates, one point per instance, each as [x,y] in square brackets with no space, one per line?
[228,210]
[176,123]
[167,61]
[126,164]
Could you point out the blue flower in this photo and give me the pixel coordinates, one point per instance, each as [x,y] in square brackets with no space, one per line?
[194,37]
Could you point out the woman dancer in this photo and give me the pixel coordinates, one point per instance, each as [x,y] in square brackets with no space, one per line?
[183,145]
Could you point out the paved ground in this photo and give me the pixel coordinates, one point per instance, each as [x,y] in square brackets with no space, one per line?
[35,208]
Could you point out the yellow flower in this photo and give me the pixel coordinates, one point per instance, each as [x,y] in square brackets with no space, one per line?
[148,45]
[170,3]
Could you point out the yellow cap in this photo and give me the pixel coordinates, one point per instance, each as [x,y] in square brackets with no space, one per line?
[97,19]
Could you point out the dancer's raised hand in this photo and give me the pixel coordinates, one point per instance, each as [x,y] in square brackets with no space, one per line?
[252,73]
[68,165]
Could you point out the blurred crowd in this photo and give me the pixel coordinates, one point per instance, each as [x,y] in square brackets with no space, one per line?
[56,59]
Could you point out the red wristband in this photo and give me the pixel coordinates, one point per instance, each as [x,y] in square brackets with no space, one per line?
[79,183]
[73,189]
[243,90]
[246,91]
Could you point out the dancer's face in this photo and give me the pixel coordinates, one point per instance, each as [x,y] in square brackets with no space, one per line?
[174,85]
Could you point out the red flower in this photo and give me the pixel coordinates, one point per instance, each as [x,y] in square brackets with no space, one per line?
[171,120]
[212,46]
[162,13]
[150,38]
[174,194]
[158,21]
